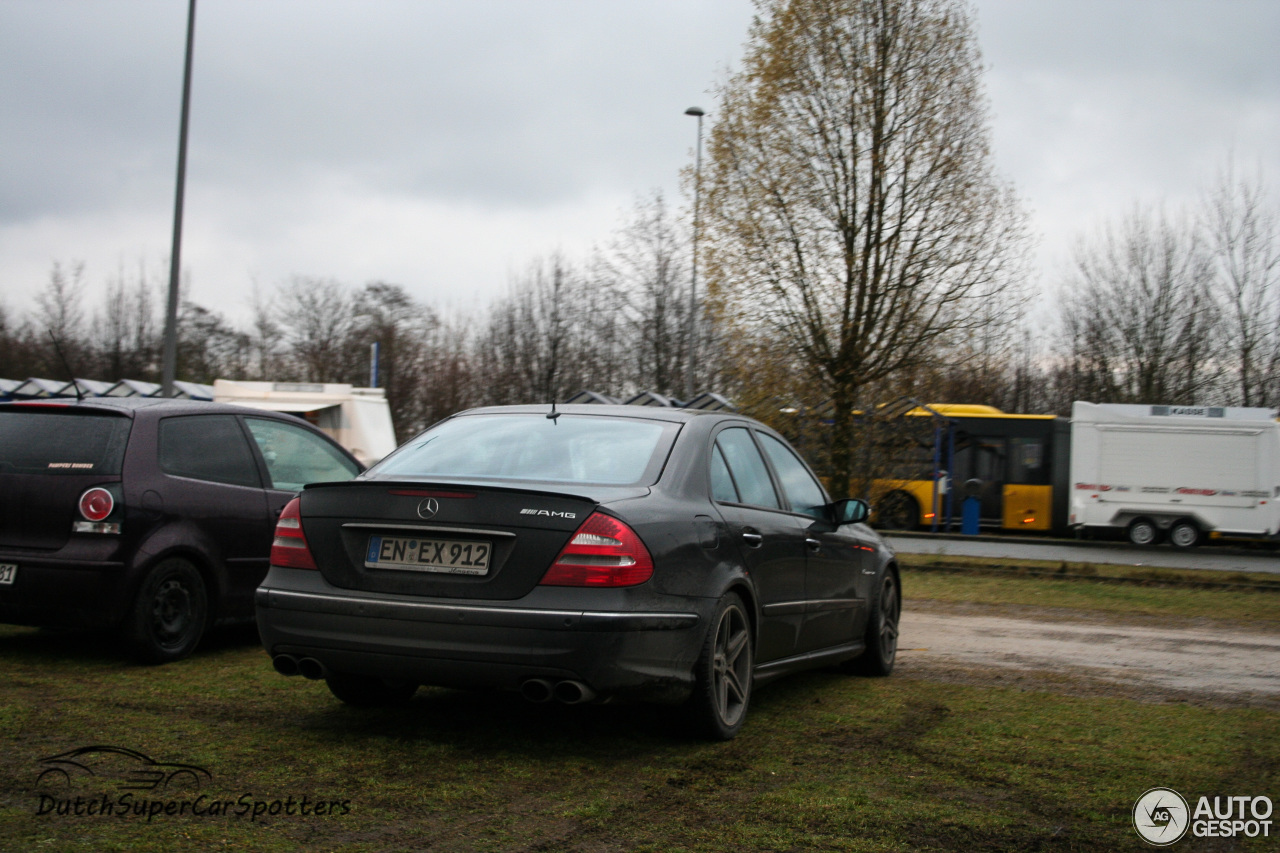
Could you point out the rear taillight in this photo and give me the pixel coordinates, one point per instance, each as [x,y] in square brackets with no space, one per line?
[96,504]
[603,553]
[289,549]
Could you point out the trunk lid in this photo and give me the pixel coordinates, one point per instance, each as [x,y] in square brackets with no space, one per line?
[49,456]
[443,539]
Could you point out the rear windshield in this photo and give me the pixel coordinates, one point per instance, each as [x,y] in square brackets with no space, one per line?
[568,449]
[45,442]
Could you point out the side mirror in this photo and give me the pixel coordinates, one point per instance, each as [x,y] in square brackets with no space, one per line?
[849,511]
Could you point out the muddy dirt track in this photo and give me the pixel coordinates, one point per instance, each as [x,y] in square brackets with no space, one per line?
[1044,648]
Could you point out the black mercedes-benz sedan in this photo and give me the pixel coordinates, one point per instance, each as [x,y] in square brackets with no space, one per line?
[580,554]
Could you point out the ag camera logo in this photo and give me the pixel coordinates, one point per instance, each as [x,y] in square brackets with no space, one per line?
[1161,816]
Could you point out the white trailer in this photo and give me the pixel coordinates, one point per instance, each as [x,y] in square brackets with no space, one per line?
[1185,472]
[357,418]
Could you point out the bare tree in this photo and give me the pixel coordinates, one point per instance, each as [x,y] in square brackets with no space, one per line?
[315,317]
[60,314]
[532,349]
[1139,322]
[645,268]
[208,347]
[1243,235]
[851,203]
[127,329]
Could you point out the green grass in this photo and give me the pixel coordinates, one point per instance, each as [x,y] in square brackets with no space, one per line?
[826,762]
[1116,590]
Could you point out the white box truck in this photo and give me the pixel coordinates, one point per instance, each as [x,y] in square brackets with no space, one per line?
[1182,472]
[357,418]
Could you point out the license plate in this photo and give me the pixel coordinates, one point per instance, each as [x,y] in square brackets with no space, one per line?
[8,573]
[446,556]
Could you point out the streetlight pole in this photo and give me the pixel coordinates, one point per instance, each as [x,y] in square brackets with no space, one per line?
[169,365]
[693,289]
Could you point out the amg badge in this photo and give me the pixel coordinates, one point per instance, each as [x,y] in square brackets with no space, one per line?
[548,513]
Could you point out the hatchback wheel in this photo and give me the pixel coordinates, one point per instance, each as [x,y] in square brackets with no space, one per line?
[170,612]
[882,631]
[364,691]
[722,686]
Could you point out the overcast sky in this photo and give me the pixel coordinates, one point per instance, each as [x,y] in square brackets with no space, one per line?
[445,144]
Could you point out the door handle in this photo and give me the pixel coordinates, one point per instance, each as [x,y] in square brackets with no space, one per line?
[814,544]
[755,540]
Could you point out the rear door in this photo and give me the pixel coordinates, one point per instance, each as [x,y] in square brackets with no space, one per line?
[769,539]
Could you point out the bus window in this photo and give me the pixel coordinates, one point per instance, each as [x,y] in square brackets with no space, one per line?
[1026,461]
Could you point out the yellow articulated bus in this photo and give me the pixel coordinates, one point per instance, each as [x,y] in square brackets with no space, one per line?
[1016,466]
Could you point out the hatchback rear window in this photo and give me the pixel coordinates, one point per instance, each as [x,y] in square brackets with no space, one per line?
[48,442]
[569,449]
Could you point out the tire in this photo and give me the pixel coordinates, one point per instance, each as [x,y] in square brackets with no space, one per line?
[1143,531]
[363,691]
[723,673]
[169,614]
[882,631]
[899,511]
[1184,534]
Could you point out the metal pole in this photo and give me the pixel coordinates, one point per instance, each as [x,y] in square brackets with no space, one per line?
[693,289]
[170,360]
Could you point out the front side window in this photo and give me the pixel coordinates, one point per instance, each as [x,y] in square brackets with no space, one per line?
[747,467]
[296,457]
[207,447]
[802,489]
[568,448]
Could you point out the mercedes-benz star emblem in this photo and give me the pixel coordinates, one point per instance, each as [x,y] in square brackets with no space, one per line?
[428,508]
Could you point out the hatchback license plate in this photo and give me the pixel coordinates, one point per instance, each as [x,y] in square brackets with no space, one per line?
[8,573]
[446,556]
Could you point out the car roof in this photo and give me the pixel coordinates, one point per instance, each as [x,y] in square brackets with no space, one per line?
[654,413]
[133,406]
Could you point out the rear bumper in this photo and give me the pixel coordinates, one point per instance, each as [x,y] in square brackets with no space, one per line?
[58,593]
[646,653]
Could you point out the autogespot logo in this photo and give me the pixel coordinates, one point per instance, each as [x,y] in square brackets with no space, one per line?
[1161,816]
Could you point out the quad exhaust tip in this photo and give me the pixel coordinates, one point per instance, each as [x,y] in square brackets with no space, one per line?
[312,669]
[537,690]
[569,692]
[573,692]
[306,667]
[285,664]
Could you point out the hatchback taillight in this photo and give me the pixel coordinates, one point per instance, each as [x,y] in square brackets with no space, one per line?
[96,504]
[289,549]
[603,553]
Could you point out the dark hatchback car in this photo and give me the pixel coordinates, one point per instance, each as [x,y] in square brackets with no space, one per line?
[154,517]
[584,554]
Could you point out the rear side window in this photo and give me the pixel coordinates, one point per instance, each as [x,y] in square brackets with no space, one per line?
[50,442]
[207,447]
[722,487]
[748,468]
[568,449]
